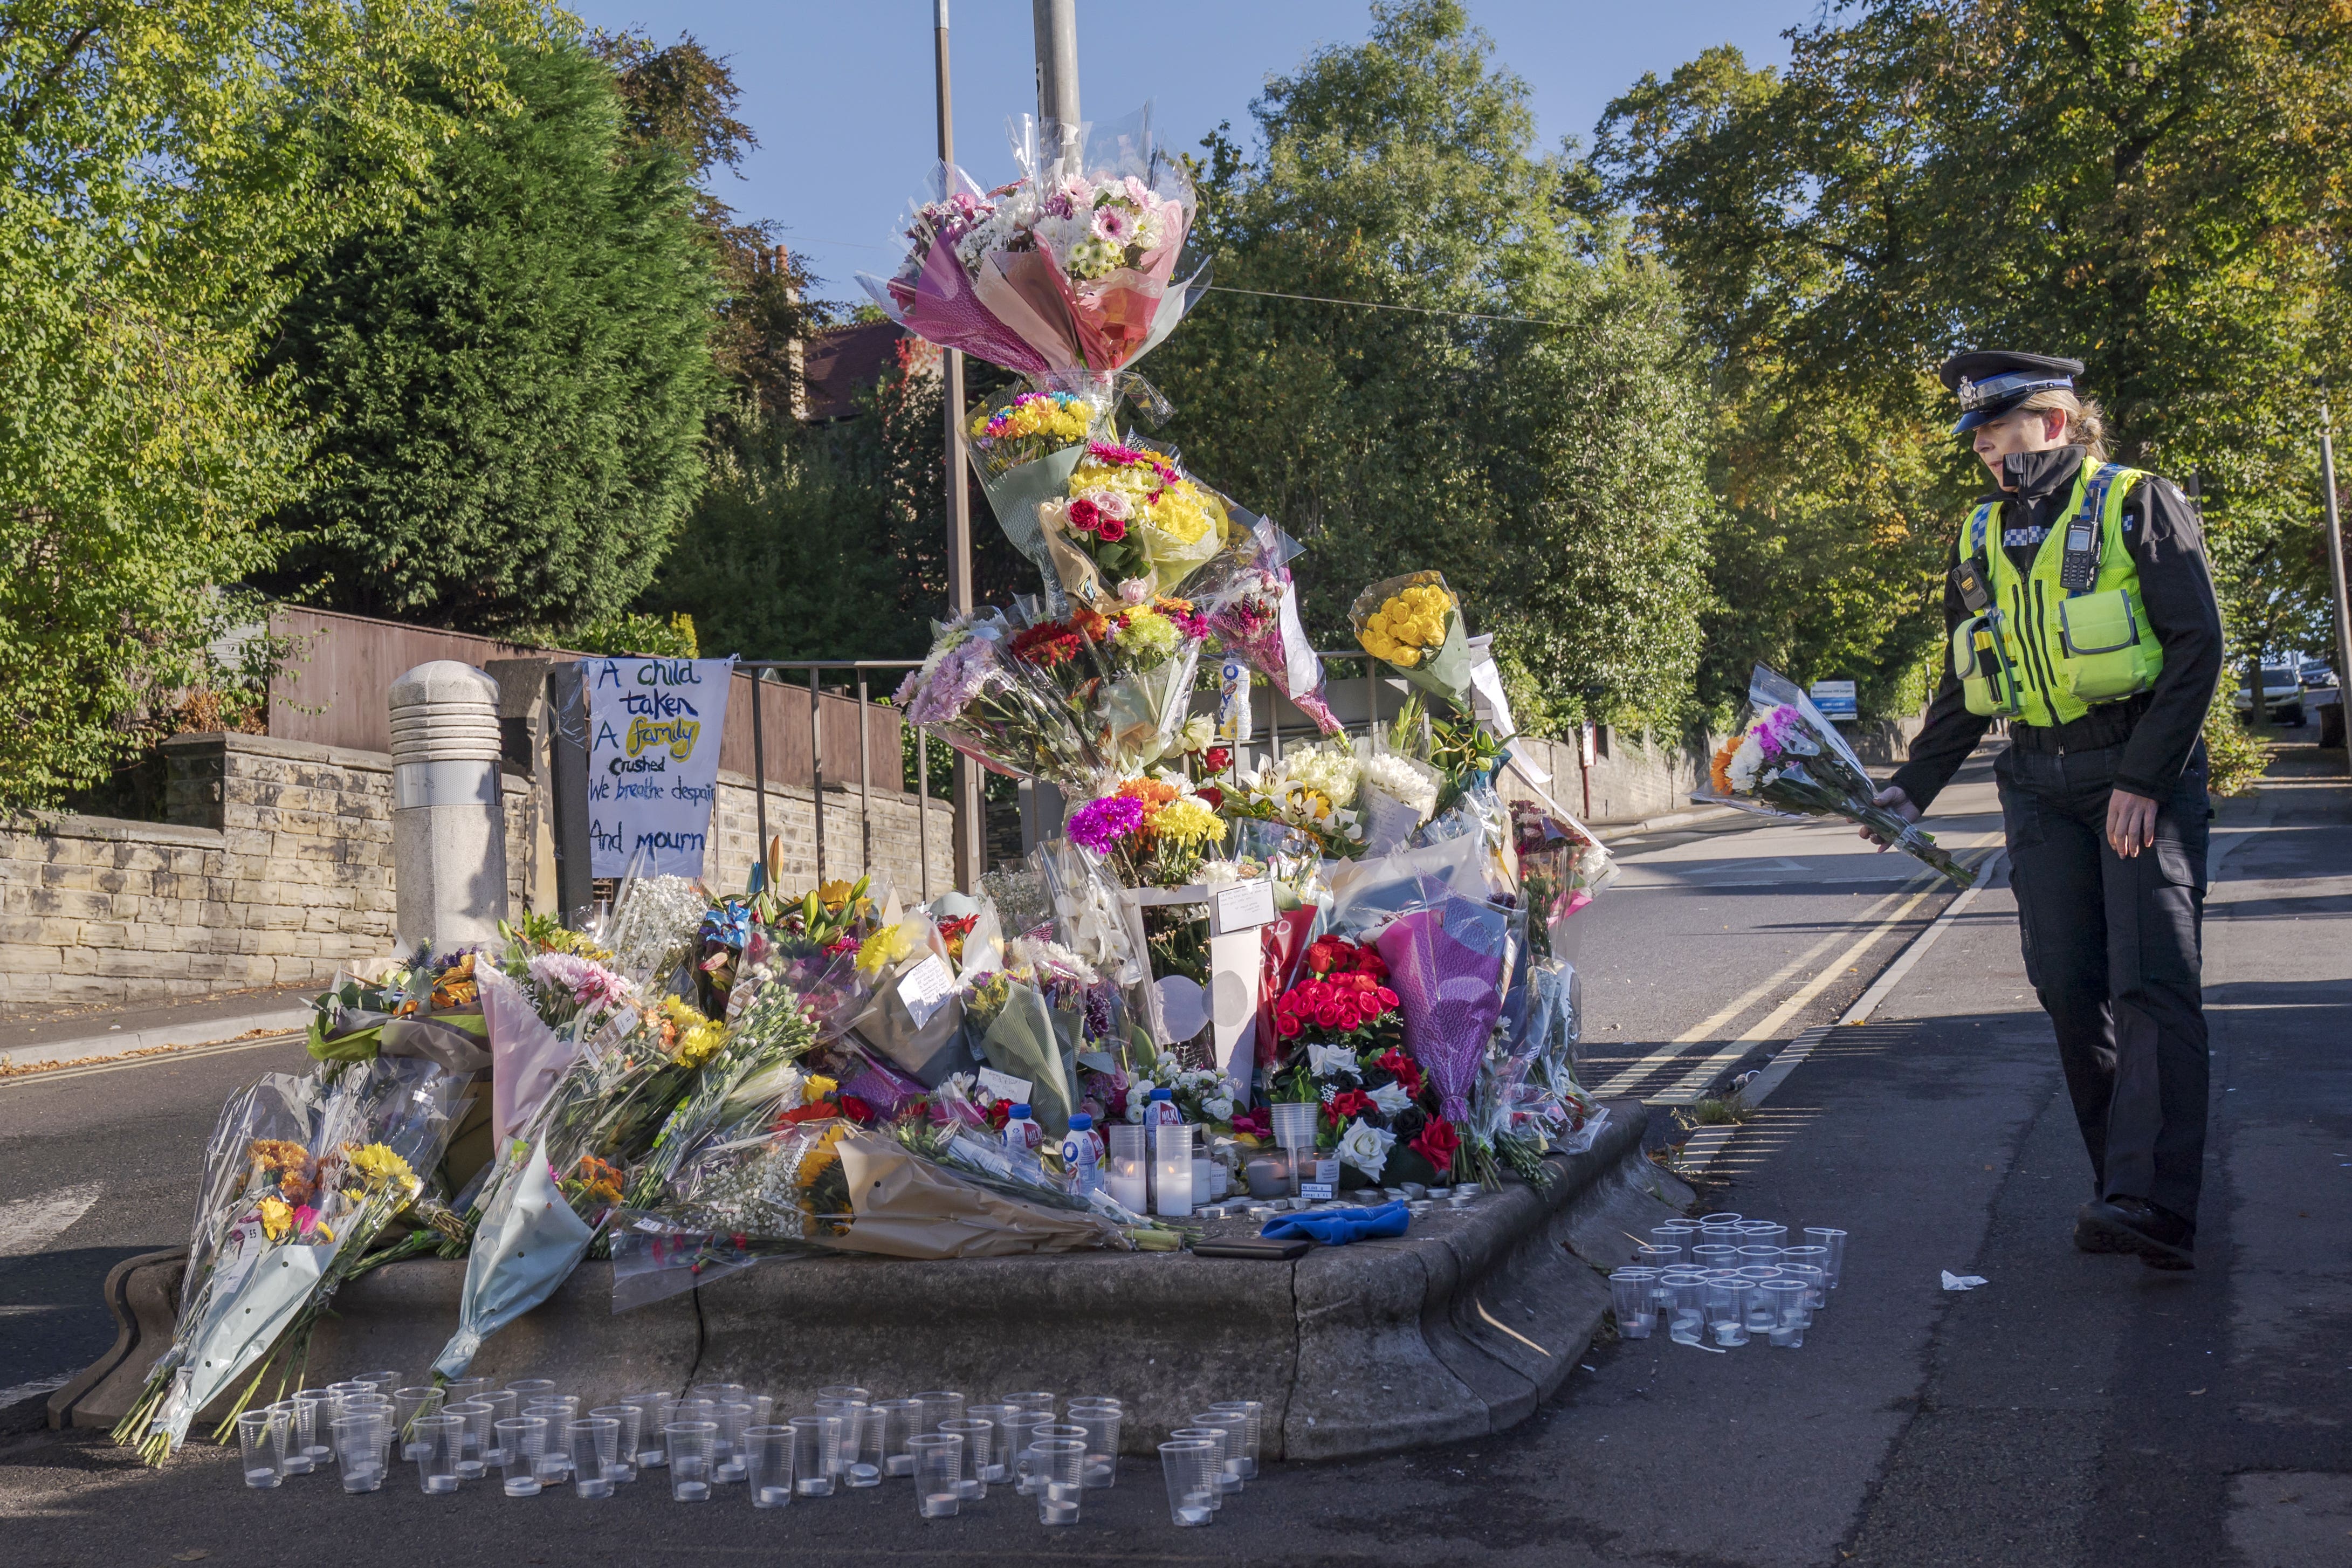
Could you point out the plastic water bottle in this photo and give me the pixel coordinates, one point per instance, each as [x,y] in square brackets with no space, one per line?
[1159,1109]
[1023,1138]
[1082,1152]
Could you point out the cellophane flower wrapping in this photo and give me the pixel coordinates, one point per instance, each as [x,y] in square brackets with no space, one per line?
[1251,605]
[1791,761]
[973,694]
[1026,441]
[302,1178]
[1413,624]
[1133,525]
[1071,267]
[1123,678]
[1562,868]
[921,1190]
[1448,960]
[656,928]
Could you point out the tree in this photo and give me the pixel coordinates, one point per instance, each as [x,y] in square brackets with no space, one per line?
[513,383]
[1548,462]
[164,166]
[2149,186]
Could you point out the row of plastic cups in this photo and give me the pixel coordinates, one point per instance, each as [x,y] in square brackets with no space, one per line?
[1808,1262]
[1732,1303]
[1734,1231]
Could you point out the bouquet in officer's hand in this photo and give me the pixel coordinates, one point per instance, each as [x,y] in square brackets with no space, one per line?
[1791,761]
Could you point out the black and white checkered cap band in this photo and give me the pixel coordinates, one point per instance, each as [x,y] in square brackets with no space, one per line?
[1976,394]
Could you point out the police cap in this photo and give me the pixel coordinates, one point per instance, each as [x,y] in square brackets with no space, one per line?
[1991,381]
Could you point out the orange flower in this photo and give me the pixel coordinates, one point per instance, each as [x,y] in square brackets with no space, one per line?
[1719,770]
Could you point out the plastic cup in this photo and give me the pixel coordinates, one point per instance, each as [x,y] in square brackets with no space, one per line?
[296,1462]
[1765,1232]
[1036,1399]
[653,1415]
[1252,1415]
[732,1417]
[861,1447]
[1758,1256]
[1680,1233]
[383,1382]
[355,1446]
[457,1389]
[768,1466]
[308,1438]
[594,1442]
[816,1453]
[1725,1219]
[407,1405]
[1784,1303]
[1727,1305]
[522,1449]
[936,1405]
[845,1391]
[1714,1255]
[899,1418]
[979,1435]
[474,1438]
[1056,1463]
[690,1444]
[1817,1290]
[436,1442]
[629,1421]
[1015,1430]
[377,1410]
[261,1437]
[1654,1257]
[1221,1439]
[1187,1465]
[719,1393]
[1686,1306]
[1100,1421]
[503,1405]
[1822,1236]
[939,1465]
[1761,1313]
[1000,1419]
[527,1389]
[1633,1296]
[1229,1460]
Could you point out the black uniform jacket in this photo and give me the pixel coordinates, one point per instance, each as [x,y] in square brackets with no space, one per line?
[2160,530]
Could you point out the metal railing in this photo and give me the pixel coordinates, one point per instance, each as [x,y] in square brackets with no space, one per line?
[815,670]
[859,670]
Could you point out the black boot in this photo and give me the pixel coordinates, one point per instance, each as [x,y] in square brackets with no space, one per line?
[2090,1235]
[2162,1238]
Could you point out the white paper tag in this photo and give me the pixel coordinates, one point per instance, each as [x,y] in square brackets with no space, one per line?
[1242,907]
[1318,1190]
[1005,1086]
[925,989]
[1388,821]
[1486,690]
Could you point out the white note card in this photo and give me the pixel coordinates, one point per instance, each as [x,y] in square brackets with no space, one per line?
[1004,1085]
[1244,906]
[925,989]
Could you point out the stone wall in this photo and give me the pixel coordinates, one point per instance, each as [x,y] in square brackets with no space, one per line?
[1635,777]
[276,870]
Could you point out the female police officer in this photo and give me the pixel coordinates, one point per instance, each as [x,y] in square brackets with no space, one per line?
[2080,608]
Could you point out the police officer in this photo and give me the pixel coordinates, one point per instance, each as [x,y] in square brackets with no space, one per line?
[2080,608]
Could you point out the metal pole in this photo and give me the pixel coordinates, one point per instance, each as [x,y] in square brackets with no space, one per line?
[2335,568]
[816,768]
[760,775]
[971,819]
[1055,23]
[864,788]
[923,805]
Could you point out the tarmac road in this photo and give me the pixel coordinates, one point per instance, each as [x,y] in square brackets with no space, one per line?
[2076,1410]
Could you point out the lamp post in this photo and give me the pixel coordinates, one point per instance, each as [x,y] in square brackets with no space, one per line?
[970,813]
[2334,570]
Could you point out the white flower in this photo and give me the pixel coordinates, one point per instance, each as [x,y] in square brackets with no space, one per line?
[1218,1110]
[1366,1147]
[1745,764]
[1396,778]
[1390,1097]
[1329,1061]
[1200,732]
[1134,1106]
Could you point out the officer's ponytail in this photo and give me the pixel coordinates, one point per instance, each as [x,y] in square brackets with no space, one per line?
[2086,422]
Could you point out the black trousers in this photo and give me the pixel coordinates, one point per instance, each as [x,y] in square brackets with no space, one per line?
[2112,946]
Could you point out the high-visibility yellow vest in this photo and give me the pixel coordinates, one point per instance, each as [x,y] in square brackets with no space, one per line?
[2042,651]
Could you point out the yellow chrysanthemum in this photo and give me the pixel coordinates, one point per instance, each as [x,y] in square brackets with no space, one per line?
[1188,822]
[700,1043]
[883,949]
[276,1219]
[379,1166]
[1147,632]
[817,1086]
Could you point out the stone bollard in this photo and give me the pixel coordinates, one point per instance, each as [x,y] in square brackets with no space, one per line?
[448,821]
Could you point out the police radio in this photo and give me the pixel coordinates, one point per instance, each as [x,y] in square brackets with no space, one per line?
[1975,592]
[2078,570]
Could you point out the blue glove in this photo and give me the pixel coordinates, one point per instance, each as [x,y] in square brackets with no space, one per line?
[1336,1227]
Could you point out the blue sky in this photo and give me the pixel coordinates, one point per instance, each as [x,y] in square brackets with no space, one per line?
[839,93]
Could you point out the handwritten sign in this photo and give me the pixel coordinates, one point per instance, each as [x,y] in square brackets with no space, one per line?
[654,726]
[925,989]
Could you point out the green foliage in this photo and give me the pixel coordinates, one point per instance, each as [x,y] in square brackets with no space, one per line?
[638,636]
[1550,468]
[2140,185]
[2234,760]
[513,383]
[165,165]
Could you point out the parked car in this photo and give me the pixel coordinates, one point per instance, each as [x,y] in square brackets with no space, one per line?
[2317,676]
[2282,694]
